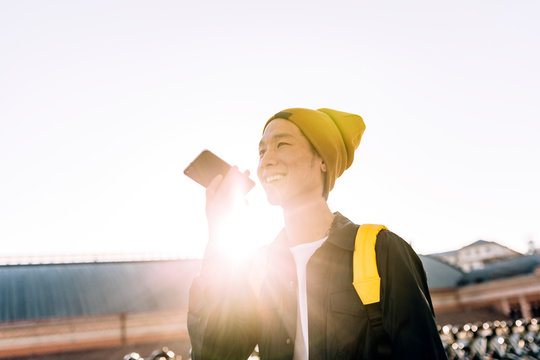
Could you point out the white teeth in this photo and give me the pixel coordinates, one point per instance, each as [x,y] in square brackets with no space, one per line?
[272,178]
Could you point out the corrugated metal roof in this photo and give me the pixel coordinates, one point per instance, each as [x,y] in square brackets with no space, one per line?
[502,269]
[29,292]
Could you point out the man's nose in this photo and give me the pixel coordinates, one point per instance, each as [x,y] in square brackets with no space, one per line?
[268,158]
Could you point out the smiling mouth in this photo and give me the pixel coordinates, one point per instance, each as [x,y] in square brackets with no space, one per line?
[273,178]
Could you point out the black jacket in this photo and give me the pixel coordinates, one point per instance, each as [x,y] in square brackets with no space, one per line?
[226,319]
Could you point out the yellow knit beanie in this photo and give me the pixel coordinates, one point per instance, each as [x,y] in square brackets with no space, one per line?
[334,134]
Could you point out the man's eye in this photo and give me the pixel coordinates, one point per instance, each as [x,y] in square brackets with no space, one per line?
[261,152]
[280,144]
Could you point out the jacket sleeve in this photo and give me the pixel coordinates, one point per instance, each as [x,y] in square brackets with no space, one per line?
[406,306]
[222,322]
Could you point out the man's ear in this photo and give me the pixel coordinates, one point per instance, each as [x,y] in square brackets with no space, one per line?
[323,167]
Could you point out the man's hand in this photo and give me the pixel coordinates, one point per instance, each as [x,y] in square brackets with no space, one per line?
[223,195]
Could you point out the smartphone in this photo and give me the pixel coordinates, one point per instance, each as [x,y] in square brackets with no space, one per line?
[207,166]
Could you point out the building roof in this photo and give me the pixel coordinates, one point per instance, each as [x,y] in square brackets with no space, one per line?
[30,292]
[502,269]
[480,242]
[440,274]
[484,242]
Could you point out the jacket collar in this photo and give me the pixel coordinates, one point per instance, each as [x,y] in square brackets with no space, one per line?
[342,232]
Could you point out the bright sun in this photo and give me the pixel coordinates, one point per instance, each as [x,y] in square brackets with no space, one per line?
[250,226]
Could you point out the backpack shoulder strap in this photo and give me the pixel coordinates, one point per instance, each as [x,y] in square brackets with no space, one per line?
[366,278]
[367,283]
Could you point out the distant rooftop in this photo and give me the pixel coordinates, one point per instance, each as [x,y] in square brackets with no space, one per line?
[31,292]
[440,274]
[476,243]
[480,242]
[521,265]
[86,258]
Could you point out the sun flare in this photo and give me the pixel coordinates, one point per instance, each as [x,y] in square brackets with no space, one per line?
[251,225]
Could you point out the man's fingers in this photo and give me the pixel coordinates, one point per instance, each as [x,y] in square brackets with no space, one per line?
[231,179]
[228,185]
[214,185]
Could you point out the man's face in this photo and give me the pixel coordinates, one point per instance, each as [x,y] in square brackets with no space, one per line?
[289,169]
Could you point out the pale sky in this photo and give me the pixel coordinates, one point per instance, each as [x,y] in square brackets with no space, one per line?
[104,103]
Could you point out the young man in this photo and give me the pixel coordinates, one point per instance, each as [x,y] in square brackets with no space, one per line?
[296,300]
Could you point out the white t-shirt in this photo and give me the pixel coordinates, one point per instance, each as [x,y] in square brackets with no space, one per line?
[302,253]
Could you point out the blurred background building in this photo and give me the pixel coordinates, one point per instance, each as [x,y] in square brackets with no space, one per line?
[477,255]
[104,309]
[119,307]
[501,287]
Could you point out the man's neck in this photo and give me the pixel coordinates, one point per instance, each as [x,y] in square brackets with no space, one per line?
[307,222]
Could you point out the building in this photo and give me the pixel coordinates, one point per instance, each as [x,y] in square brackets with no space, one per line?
[52,308]
[507,289]
[476,255]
